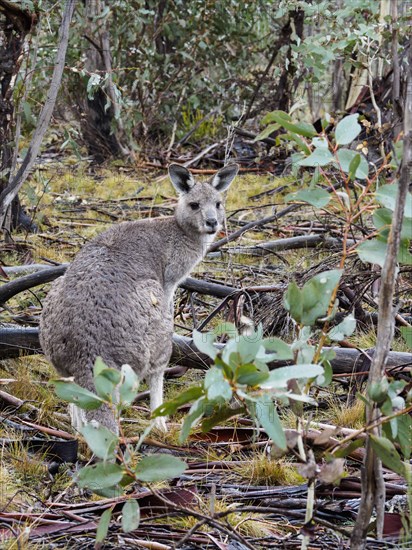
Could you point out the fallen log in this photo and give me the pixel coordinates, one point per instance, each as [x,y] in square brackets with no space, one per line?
[17,341]
[48,274]
[290,243]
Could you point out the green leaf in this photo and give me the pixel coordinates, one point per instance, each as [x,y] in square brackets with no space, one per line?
[159,467]
[317,197]
[101,440]
[221,415]
[266,132]
[274,116]
[407,336]
[343,452]
[170,407]
[387,452]
[326,377]
[226,328]
[130,515]
[100,476]
[217,387]
[292,300]
[372,251]
[105,380]
[248,346]
[280,349]
[250,375]
[285,120]
[278,378]
[343,330]
[316,295]
[353,166]
[265,413]
[300,142]
[196,411]
[103,526]
[73,393]
[404,435]
[320,142]
[347,130]
[129,385]
[319,157]
[404,256]
[204,343]
[386,196]
[346,157]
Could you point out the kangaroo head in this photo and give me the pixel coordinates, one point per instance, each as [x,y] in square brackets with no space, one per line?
[200,209]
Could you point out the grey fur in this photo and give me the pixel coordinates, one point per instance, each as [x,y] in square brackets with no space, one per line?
[116,299]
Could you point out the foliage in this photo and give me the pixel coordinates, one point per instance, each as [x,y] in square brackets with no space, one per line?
[120,465]
[240,379]
[179,61]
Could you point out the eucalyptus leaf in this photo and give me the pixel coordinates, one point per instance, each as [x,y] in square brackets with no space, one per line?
[347,130]
[103,525]
[278,347]
[102,475]
[343,329]
[319,157]
[196,411]
[316,295]
[170,407]
[317,197]
[386,196]
[217,387]
[346,157]
[159,467]
[372,251]
[101,440]
[204,343]
[129,385]
[266,415]
[73,393]
[267,131]
[387,452]
[278,378]
[407,336]
[293,302]
[130,515]
[249,375]
[221,415]
[353,166]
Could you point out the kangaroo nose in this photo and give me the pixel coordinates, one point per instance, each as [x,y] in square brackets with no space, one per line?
[211,222]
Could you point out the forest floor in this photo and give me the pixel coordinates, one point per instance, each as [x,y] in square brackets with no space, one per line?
[255,500]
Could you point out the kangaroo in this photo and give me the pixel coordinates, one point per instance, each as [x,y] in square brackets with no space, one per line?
[116,298]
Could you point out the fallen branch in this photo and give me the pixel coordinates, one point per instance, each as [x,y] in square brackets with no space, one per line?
[303,241]
[17,340]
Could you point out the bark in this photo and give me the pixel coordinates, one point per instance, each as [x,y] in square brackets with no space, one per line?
[10,192]
[373,494]
[15,25]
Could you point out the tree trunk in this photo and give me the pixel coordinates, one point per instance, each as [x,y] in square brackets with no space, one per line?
[98,122]
[15,25]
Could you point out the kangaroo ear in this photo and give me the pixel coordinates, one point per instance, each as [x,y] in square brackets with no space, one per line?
[222,179]
[181,178]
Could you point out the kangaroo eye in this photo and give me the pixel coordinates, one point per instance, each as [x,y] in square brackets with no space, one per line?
[218,204]
[194,205]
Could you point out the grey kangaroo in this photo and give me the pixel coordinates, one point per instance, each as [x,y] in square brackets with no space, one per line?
[116,298]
